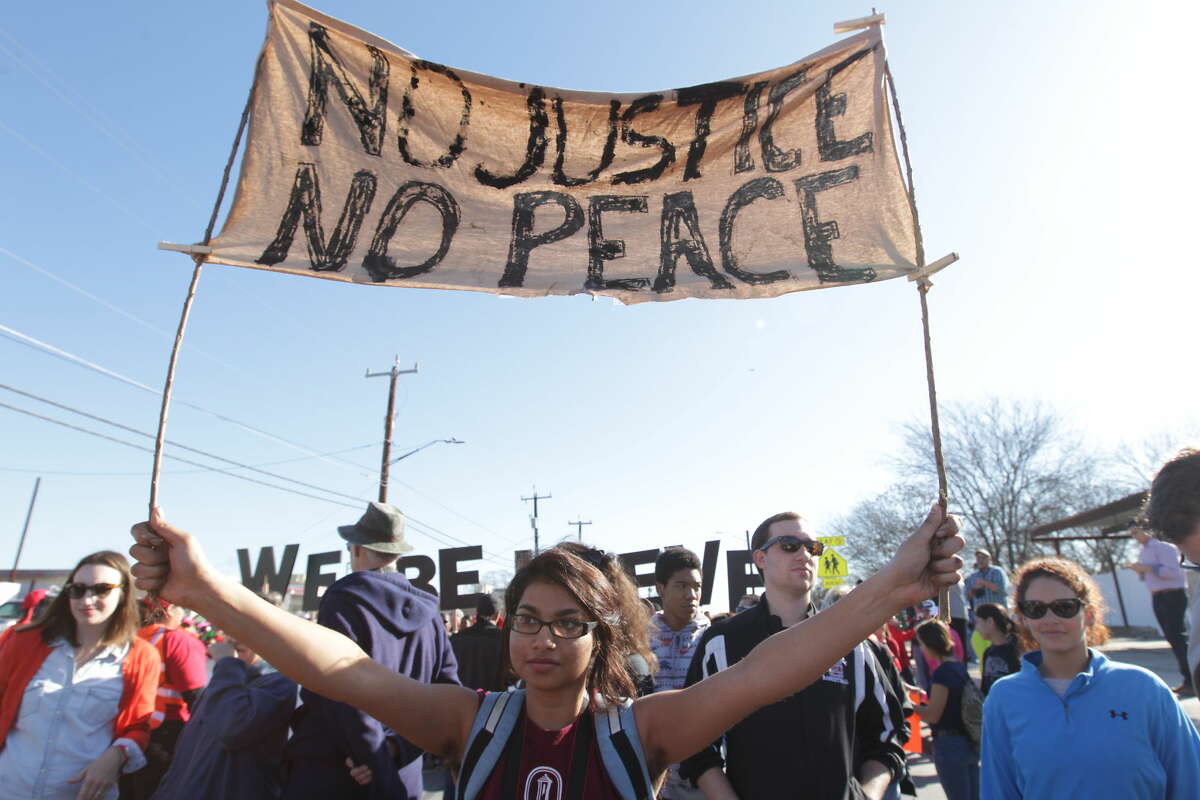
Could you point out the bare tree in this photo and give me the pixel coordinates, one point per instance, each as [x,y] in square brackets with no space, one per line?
[875,527]
[1010,466]
[1133,465]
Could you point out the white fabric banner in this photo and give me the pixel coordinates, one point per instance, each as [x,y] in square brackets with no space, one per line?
[367,164]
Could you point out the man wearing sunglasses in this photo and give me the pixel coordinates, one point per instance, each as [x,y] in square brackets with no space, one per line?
[834,740]
[1173,513]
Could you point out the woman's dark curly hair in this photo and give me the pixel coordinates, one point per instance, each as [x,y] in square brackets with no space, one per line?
[620,618]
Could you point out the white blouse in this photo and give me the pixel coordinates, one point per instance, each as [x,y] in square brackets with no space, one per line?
[65,723]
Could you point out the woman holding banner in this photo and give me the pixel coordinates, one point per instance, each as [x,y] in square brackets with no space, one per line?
[566,637]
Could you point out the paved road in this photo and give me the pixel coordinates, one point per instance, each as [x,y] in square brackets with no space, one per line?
[1153,654]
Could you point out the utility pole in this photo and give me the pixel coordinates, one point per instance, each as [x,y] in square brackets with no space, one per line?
[533,518]
[393,373]
[579,527]
[12,576]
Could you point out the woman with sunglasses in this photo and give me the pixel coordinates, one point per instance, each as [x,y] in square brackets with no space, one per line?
[77,690]
[567,635]
[1072,723]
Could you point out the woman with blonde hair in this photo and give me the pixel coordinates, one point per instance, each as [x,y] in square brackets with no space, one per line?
[1072,723]
[77,690]
[573,731]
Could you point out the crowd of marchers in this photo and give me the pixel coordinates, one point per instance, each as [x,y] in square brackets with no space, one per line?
[573,686]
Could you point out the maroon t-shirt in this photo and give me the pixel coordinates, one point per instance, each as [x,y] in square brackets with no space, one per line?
[545,766]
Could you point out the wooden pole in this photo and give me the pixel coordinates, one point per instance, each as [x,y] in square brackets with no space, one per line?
[12,576]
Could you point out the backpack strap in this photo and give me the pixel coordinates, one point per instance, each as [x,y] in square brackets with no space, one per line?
[494,723]
[585,733]
[622,754]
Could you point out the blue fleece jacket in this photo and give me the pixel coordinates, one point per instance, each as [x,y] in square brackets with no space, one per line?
[232,745]
[1119,733]
[398,625]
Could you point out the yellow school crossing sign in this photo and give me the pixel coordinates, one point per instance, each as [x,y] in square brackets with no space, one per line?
[832,568]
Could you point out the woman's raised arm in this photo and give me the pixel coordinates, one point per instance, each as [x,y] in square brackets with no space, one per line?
[678,724]
[435,717]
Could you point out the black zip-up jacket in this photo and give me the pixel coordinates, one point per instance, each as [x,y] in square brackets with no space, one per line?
[810,745]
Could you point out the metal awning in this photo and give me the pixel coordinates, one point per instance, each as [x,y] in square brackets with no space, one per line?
[1112,519]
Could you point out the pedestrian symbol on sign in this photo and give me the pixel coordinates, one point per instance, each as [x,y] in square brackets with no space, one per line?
[833,565]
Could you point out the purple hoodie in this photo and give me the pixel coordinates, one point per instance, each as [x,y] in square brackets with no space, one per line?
[397,625]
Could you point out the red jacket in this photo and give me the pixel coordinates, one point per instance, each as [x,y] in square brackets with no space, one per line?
[22,654]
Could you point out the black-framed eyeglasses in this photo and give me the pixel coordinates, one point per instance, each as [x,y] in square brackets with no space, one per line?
[78,591]
[564,628]
[1064,609]
[790,544]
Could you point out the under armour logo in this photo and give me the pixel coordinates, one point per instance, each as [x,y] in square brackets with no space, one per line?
[1121,714]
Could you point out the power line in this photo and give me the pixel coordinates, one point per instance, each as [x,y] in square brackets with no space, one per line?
[100,192]
[50,349]
[143,473]
[439,535]
[115,309]
[197,451]
[175,458]
[37,344]
[89,112]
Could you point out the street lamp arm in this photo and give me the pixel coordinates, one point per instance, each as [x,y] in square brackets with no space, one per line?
[415,450]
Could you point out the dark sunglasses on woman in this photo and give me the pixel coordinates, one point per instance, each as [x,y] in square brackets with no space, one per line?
[1036,609]
[77,591]
[790,544]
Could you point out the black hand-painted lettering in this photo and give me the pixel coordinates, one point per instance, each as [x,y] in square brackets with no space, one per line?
[769,188]
[831,105]
[706,96]
[743,161]
[774,158]
[631,561]
[371,118]
[425,571]
[819,234]
[315,579]
[535,146]
[708,570]
[560,141]
[451,578]
[305,202]
[601,249]
[645,103]
[408,111]
[738,581]
[378,264]
[265,576]
[523,237]
[678,214]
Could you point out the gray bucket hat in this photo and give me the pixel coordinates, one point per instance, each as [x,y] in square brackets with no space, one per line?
[380,528]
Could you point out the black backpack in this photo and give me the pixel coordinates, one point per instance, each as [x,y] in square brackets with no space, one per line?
[972,711]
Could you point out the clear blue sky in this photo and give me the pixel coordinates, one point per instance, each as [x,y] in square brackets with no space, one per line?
[1051,150]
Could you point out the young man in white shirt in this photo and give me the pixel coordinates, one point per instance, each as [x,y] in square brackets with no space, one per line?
[676,632]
